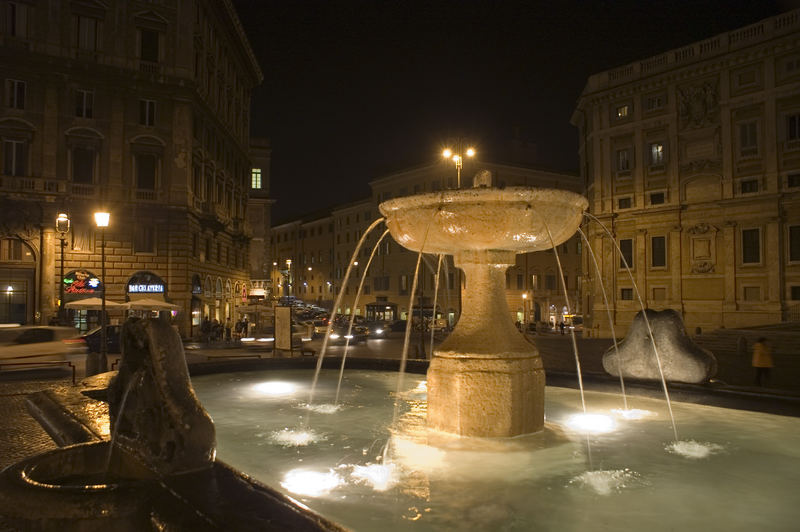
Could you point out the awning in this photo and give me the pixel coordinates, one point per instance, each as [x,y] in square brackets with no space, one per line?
[150,304]
[94,303]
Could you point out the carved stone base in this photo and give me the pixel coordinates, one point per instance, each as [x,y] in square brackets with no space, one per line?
[486,396]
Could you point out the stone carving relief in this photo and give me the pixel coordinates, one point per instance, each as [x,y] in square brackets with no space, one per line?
[703,247]
[704,266]
[17,219]
[698,105]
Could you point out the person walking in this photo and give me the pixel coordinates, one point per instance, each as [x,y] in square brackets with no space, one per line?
[762,361]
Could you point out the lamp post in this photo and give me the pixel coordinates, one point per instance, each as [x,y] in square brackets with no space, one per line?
[458,158]
[288,277]
[62,226]
[99,364]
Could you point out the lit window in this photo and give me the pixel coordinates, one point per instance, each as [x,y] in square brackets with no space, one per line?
[15,94]
[656,154]
[751,246]
[622,111]
[255,178]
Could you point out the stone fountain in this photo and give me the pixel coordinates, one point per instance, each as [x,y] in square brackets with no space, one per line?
[486,379]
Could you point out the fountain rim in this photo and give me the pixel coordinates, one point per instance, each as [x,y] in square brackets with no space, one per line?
[515,194]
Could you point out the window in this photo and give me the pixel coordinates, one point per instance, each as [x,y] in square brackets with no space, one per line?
[84,103]
[550,282]
[15,157]
[624,203]
[794,243]
[657,198]
[520,281]
[626,252]
[623,111]
[654,102]
[626,294]
[793,180]
[17,19]
[793,127]
[144,238]
[748,139]
[86,33]
[748,186]
[658,255]
[255,178]
[15,94]
[624,160]
[656,154]
[10,249]
[403,284]
[752,293]
[796,293]
[148,49]
[146,164]
[751,246]
[82,165]
[147,112]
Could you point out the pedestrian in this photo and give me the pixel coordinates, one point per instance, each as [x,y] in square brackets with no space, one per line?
[228,328]
[205,330]
[762,361]
[562,327]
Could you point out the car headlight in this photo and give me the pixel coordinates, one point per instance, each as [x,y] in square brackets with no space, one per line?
[333,336]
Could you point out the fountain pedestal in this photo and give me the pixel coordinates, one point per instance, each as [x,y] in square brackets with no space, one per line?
[486,379]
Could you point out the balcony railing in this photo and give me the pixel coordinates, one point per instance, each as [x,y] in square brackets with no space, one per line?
[83,190]
[30,185]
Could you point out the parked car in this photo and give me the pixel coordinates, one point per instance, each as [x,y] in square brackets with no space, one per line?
[93,339]
[34,344]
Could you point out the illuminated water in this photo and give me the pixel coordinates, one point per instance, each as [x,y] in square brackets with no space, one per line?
[733,470]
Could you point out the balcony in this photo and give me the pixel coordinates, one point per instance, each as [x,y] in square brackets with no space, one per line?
[149,68]
[30,185]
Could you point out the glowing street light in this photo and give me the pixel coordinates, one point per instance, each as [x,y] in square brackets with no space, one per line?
[99,363]
[62,226]
[458,158]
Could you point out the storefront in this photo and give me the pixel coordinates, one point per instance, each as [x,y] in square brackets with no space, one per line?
[78,285]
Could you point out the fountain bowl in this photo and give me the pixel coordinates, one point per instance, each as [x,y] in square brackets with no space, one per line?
[514,219]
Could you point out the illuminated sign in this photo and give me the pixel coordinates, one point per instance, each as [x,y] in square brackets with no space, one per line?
[146,288]
[82,282]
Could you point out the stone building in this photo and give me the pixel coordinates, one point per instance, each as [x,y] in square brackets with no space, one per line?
[139,109]
[692,165]
[386,292]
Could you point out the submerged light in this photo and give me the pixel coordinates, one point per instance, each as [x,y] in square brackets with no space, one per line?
[275,388]
[311,483]
[591,423]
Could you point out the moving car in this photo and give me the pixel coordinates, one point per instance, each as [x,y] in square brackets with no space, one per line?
[339,334]
[36,344]
[265,339]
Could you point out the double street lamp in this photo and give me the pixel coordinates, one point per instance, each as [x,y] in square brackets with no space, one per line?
[62,226]
[458,158]
[98,363]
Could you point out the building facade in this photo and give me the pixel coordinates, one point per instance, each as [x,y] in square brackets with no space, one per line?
[692,167]
[534,290]
[141,110]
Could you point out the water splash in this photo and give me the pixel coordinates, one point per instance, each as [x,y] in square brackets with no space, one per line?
[591,423]
[380,476]
[693,450]
[632,413]
[311,483]
[607,482]
[324,408]
[295,437]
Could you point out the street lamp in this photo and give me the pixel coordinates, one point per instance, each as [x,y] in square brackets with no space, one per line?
[62,226]
[457,157]
[288,277]
[100,362]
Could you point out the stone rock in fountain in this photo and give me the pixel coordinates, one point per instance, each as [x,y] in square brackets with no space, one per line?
[486,379]
[154,412]
[681,359]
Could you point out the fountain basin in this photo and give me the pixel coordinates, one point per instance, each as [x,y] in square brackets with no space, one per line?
[512,219]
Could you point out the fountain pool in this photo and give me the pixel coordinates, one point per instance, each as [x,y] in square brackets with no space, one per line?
[733,470]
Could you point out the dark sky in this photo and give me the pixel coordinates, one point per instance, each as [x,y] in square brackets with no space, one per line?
[355,89]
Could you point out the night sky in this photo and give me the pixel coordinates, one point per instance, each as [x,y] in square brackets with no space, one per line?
[353,90]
